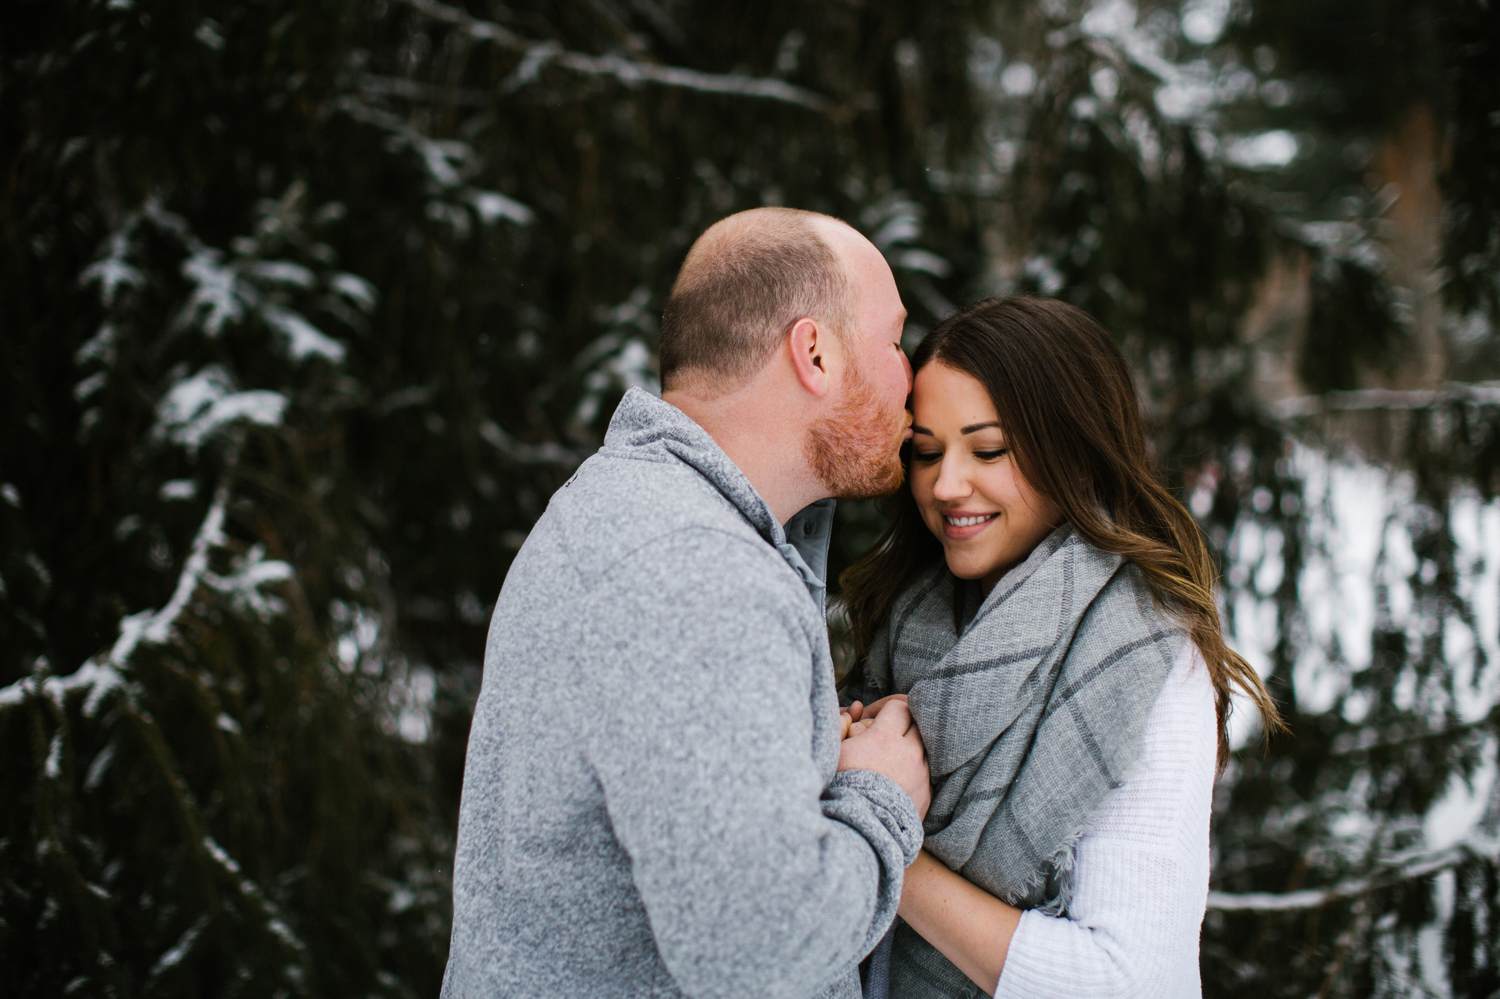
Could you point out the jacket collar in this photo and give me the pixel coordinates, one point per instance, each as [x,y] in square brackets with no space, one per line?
[644,423]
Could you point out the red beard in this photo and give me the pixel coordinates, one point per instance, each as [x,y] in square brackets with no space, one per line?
[856,452]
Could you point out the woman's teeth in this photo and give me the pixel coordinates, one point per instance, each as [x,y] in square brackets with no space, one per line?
[969,521]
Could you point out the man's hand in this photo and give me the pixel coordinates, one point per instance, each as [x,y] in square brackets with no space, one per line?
[850,717]
[888,743]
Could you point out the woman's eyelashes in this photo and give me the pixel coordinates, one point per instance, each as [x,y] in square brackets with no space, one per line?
[929,457]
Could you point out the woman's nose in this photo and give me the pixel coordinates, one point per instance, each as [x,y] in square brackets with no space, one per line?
[952,483]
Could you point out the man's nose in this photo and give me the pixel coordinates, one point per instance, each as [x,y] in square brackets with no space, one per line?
[906,362]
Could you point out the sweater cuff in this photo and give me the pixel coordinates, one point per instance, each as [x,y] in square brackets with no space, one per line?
[885,802]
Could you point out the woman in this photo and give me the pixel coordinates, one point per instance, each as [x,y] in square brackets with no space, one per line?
[1047,608]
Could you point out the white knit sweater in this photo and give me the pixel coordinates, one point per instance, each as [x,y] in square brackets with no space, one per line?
[1140,877]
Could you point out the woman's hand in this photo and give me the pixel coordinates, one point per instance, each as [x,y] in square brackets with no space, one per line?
[856,717]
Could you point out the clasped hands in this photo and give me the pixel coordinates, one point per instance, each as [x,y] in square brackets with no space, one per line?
[883,737]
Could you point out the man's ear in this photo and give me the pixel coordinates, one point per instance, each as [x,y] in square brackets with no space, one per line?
[809,344]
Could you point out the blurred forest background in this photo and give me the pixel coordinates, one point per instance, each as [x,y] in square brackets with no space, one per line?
[309,305]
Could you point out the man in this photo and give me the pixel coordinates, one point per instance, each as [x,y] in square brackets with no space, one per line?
[651,805]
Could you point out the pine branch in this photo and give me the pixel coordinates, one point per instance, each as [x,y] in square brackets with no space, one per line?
[1407,866]
[416,90]
[1372,740]
[448,163]
[547,453]
[1390,400]
[105,672]
[251,892]
[536,55]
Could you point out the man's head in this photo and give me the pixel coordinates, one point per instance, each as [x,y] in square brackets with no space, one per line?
[800,310]
[745,281]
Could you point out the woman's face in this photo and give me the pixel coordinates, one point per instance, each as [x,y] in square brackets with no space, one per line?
[966,482]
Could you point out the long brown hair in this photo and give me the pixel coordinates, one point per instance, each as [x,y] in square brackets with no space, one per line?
[1071,418]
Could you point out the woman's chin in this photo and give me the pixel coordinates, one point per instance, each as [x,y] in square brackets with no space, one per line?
[968,569]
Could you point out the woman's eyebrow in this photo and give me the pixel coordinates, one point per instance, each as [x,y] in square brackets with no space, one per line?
[971,428]
[979,426]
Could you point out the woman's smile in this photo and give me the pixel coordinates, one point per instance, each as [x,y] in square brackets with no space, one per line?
[962,526]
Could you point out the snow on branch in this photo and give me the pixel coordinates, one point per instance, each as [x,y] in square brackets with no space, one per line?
[106,672]
[155,627]
[1391,400]
[198,407]
[1407,866]
[267,909]
[427,93]
[448,164]
[221,291]
[113,271]
[528,454]
[536,55]
[1367,740]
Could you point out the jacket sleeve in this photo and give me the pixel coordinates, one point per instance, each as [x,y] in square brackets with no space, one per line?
[756,879]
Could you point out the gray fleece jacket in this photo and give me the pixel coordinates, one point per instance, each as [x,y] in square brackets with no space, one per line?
[650,805]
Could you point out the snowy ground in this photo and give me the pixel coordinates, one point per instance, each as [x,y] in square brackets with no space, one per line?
[1360,573]
[1363,572]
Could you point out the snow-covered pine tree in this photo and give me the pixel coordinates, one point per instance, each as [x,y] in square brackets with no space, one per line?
[1370,833]
[205,789]
[310,306]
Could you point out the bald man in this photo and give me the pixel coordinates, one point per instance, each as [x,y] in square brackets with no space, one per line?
[657,801]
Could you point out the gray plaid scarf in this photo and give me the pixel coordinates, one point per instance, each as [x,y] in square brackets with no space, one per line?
[1031,714]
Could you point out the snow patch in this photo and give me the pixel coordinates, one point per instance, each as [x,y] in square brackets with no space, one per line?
[1358,573]
[1018,79]
[178,489]
[208,34]
[215,291]
[1455,816]
[90,385]
[414,704]
[1203,21]
[250,572]
[179,950]
[303,338]
[282,272]
[113,272]
[99,768]
[199,406]
[1266,151]
[922,260]
[99,347]
[493,206]
[52,769]
[355,288]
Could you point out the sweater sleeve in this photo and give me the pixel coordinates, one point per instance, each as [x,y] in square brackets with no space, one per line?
[756,878]
[1140,872]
